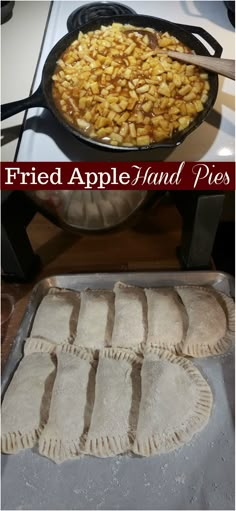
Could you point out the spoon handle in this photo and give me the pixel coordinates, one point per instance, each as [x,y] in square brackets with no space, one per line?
[224,67]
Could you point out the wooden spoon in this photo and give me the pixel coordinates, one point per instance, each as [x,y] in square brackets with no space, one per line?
[224,67]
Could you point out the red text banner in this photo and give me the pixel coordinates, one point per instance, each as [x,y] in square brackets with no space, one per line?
[118,175]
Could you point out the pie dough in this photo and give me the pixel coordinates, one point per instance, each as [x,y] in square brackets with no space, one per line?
[38,345]
[149,404]
[96,319]
[176,403]
[71,405]
[210,321]
[167,318]
[117,396]
[57,316]
[26,403]
[130,326]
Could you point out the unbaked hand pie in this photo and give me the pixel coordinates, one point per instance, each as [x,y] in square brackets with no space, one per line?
[26,402]
[130,323]
[96,317]
[71,405]
[117,396]
[56,317]
[166,317]
[211,321]
[175,403]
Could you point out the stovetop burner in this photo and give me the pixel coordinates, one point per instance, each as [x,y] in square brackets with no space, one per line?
[88,12]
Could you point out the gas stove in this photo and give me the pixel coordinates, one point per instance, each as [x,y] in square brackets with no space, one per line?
[44,140]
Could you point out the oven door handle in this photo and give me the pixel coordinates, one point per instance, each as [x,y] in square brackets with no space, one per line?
[36,99]
[206,36]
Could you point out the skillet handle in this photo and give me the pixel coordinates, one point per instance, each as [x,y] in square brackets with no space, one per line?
[206,36]
[36,99]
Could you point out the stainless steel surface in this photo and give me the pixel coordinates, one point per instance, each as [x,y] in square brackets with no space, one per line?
[198,476]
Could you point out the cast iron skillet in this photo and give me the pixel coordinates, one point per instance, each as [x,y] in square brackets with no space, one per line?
[184,33]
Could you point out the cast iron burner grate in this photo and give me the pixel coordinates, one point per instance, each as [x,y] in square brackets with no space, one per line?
[88,12]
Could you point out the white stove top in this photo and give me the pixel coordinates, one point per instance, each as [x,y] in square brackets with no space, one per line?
[44,139]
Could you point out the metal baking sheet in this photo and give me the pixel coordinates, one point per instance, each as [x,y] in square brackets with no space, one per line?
[200,475]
